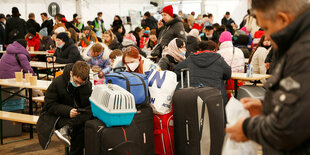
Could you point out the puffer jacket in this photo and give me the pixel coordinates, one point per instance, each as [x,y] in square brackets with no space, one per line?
[59,100]
[284,128]
[233,56]
[9,64]
[206,69]
[69,53]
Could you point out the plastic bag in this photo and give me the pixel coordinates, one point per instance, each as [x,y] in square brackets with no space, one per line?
[235,111]
[162,85]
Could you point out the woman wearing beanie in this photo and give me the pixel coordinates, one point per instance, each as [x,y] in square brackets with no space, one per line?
[173,28]
[233,56]
[66,51]
[172,55]
[15,59]
[134,62]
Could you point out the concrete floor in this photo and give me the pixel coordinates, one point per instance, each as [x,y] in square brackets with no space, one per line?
[31,147]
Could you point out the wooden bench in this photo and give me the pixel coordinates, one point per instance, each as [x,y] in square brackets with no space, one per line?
[39,99]
[22,118]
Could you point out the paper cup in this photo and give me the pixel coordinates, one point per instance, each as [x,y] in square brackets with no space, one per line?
[33,80]
[19,76]
[31,48]
[27,77]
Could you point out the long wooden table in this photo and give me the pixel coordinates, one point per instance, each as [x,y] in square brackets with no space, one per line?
[38,65]
[36,53]
[41,85]
[243,77]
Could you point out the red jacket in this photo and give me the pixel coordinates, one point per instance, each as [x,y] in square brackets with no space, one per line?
[198,27]
[34,42]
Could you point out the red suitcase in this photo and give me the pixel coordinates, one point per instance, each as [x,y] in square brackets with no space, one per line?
[164,134]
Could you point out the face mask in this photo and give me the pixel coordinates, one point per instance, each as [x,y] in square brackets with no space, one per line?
[73,84]
[133,66]
[60,46]
[183,53]
[30,37]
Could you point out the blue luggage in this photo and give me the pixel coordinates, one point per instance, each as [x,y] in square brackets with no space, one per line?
[135,83]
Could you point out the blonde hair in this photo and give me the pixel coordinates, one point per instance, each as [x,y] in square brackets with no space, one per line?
[112,36]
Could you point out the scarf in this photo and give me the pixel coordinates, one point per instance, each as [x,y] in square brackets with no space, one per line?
[173,51]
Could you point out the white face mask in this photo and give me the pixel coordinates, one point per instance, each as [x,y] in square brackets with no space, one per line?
[133,66]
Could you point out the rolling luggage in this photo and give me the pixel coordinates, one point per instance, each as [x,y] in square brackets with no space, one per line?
[135,83]
[198,120]
[164,134]
[136,139]
[251,91]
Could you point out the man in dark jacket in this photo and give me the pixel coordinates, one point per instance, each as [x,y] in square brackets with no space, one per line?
[32,22]
[173,28]
[48,23]
[281,123]
[149,21]
[210,34]
[207,68]
[66,51]
[67,108]
[2,31]
[229,23]
[16,28]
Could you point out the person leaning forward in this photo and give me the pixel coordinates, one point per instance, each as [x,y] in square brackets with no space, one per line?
[281,122]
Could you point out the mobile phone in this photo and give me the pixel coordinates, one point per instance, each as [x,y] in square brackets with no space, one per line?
[80,110]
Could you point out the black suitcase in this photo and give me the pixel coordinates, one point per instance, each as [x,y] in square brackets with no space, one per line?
[251,91]
[136,139]
[198,120]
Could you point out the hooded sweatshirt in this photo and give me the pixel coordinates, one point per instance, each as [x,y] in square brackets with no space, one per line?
[206,70]
[9,64]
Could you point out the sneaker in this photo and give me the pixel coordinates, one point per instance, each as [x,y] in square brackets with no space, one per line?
[63,135]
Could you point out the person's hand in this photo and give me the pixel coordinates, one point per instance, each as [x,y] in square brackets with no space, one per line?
[160,24]
[73,113]
[236,132]
[267,65]
[54,59]
[49,59]
[254,106]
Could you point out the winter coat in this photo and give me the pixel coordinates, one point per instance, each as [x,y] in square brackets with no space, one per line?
[69,53]
[167,63]
[9,64]
[86,41]
[118,36]
[16,28]
[206,70]
[245,50]
[147,64]
[215,37]
[227,23]
[150,22]
[2,34]
[49,25]
[115,45]
[102,60]
[191,45]
[258,60]
[32,23]
[283,128]
[46,44]
[34,42]
[226,51]
[60,98]
[171,30]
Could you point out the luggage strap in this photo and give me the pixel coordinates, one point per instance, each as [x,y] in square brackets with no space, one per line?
[144,86]
[202,120]
[127,82]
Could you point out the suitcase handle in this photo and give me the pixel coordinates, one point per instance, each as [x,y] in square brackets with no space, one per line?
[182,80]
[121,145]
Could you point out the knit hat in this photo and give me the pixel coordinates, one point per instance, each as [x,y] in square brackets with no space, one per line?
[63,36]
[32,31]
[60,29]
[44,32]
[23,42]
[225,36]
[168,10]
[194,33]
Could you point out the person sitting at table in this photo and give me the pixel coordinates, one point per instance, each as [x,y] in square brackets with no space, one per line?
[67,108]
[110,40]
[88,37]
[33,40]
[134,62]
[98,58]
[66,51]
[207,68]
[15,59]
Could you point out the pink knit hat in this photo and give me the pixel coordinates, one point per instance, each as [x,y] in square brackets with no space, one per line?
[225,36]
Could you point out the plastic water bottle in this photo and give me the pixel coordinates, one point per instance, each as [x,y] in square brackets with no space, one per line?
[249,71]
[1,47]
